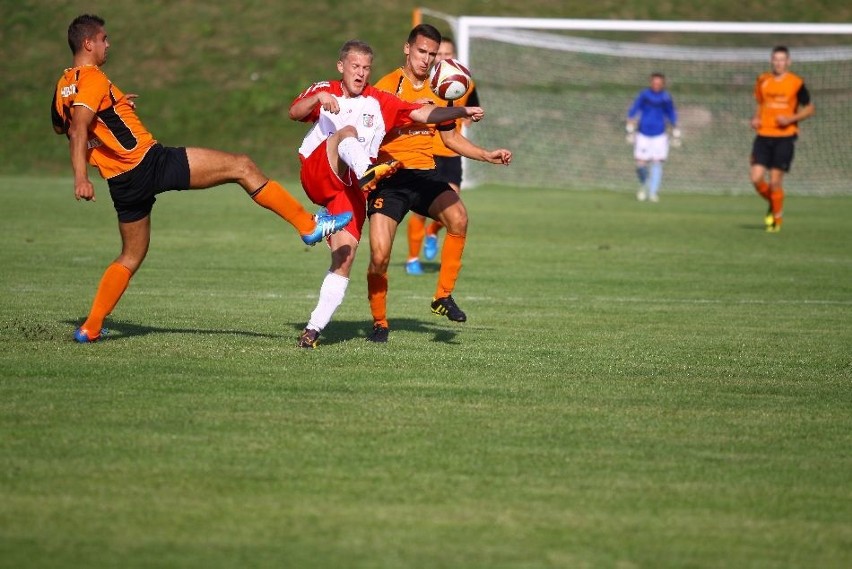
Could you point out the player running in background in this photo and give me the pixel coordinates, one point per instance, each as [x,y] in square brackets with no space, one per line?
[782,102]
[350,118]
[104,131]
[653,106]
[449,166]
[416,186]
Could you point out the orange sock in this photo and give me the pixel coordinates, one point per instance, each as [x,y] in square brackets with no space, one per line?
[275,198]
[451,264]
[377,294]
[777,202]
[416,233]
[113,284]
[434,227]
[762,188]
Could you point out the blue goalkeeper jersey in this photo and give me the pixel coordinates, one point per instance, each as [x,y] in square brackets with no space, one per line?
[654,108]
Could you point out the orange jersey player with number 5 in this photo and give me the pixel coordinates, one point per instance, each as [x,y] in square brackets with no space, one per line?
[783,102]
[417,186]
[350,119]
[104,131]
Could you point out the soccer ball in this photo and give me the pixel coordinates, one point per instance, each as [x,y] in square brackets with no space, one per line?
[449,79]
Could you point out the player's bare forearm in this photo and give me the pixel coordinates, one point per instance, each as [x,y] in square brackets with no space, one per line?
[303,107]
[806,112]
[436,115]
[462,146]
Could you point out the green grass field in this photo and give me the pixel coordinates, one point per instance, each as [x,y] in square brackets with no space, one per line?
[637,386]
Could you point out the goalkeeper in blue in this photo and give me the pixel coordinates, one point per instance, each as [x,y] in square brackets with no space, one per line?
[649,116]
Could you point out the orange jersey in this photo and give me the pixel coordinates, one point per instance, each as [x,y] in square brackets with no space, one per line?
[117,139]
[438,146]
[410,144]
[779,96]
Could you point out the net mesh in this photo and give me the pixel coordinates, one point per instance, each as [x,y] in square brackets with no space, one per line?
[559,103]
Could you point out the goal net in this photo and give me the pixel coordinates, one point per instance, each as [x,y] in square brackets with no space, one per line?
[556,92]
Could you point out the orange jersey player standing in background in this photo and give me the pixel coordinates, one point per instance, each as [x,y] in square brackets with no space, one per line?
[103,130]
[449,166]
[782,102]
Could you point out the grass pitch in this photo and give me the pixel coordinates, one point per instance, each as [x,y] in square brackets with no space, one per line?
[637,385]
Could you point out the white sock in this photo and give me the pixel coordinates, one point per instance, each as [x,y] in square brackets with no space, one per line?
[352,152]
[331,294]
[656,178]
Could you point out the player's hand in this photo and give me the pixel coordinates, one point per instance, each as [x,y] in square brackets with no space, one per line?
[84,190]
[677,142]
[784,121]
[630,129]
[499,156]
[755,123]
[328,102]
[130,99]
[475,113]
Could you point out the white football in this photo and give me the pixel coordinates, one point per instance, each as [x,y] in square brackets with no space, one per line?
[450,79]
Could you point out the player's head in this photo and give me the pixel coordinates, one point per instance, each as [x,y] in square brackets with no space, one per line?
[780,59]
[447,49]
[658,82]
[420,50]
[355,61]
[86,27]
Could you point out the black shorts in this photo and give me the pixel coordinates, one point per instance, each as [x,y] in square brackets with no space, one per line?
[449,169]
[407,190]
[774,152]
[163,168]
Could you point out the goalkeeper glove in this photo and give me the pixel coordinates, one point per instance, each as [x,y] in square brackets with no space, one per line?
[676,140]
[631,133]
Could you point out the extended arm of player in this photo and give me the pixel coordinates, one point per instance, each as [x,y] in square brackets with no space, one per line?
[430,114]
[78,135]
[460,144]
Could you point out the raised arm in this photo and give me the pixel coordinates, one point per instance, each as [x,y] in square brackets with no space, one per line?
[429,114]
[303,106]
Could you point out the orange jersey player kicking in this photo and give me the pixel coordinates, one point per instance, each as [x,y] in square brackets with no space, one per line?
[783,102]
[101,124]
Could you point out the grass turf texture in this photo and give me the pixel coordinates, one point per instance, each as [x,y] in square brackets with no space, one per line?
[638,385]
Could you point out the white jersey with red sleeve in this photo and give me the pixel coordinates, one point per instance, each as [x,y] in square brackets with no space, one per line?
[373,113]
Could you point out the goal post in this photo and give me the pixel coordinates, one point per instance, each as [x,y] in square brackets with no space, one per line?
[556,92]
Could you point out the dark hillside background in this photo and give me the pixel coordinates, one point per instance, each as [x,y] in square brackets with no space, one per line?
[222,74]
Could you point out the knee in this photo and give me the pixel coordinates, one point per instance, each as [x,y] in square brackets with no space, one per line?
[457,222]
[244,167]
[131,260]
[379,263]
[342,259]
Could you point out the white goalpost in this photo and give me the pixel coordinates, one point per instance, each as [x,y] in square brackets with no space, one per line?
[556,92]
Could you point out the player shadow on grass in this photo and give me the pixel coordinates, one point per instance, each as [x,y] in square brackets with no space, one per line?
[117,330]
[430,267]
[345,330]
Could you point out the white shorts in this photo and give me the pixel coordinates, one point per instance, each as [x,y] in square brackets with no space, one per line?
[651,147]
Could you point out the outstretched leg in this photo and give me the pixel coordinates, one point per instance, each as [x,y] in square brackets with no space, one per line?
[210,168]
